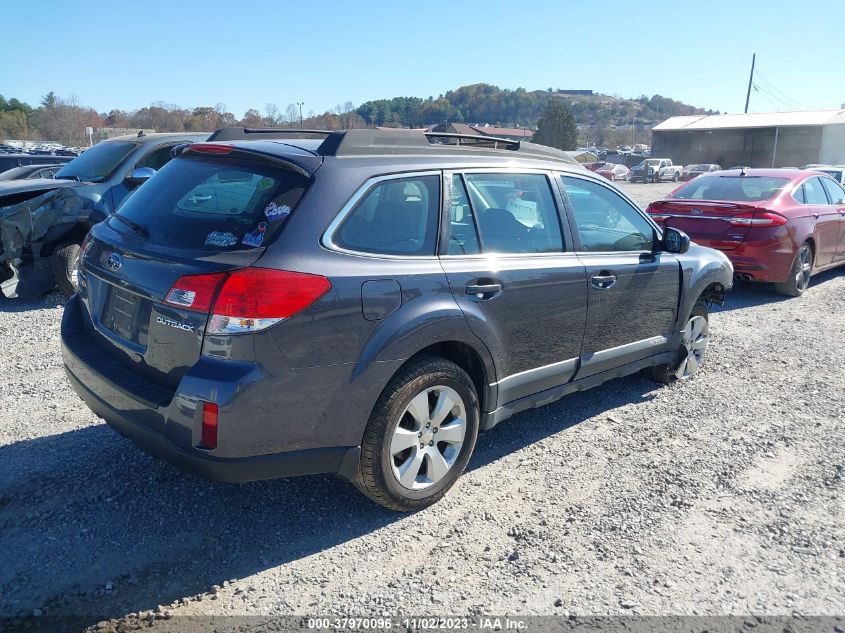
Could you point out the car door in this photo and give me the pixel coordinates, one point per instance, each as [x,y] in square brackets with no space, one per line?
[633,289]
[511,268]
[826,218]
[836,194]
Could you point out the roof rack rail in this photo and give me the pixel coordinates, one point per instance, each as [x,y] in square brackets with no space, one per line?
[369,142]
[479,139]
[255,133]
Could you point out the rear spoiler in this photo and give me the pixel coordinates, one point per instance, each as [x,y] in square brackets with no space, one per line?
[298,160]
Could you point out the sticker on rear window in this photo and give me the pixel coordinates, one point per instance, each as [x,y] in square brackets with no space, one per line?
[265,183]
[276,213]
[256,237]
[220,238]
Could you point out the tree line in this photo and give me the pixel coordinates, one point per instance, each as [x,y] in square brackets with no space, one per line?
[64,119]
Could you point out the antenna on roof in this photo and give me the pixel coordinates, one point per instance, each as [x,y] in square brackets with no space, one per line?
[140,133]
[742,170]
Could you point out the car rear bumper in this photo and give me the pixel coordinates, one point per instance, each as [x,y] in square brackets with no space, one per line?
[167,424]
[765,255]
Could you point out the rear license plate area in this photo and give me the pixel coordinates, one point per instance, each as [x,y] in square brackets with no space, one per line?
[126,314]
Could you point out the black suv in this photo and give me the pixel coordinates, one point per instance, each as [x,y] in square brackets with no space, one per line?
[364,302]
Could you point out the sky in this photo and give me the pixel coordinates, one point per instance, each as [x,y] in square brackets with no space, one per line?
[247,53]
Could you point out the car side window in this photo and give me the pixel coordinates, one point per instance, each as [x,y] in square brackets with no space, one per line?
[514,213]
[834,191]
[156,159]
[606,221]
[394,217]
[814,192]
[798,194]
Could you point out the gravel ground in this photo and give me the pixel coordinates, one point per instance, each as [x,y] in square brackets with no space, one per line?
[723,495]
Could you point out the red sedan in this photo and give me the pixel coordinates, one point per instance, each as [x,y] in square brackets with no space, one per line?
[613,171]
[775,225]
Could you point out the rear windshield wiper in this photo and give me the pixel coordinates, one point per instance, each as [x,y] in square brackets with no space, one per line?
[137,228]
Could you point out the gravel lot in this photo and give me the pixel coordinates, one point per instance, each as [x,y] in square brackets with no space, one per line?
[723,495]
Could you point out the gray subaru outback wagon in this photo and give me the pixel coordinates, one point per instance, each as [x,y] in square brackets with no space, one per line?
[364,302]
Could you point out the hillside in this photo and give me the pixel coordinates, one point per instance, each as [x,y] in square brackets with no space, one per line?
[597,115]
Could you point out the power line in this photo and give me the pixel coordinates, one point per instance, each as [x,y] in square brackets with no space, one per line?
[778,92]
[773,99]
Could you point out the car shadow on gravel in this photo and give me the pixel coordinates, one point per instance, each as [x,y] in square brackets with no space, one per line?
[92,527]
[748,294]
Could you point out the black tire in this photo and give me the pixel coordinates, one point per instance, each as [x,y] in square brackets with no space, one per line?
[675,177]
[65,267]
[655,178]
[794,286]
[666,374]
[375,477]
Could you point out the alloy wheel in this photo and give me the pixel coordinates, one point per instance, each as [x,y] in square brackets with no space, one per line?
[428,437]
[804,268]
[695,340]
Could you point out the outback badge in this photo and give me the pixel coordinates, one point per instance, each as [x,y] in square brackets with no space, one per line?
[174,324]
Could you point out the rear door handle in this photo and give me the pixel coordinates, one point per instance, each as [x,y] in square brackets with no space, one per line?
[603,282]
[483,291]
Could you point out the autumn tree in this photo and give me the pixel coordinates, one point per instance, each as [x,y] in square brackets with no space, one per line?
[252,118]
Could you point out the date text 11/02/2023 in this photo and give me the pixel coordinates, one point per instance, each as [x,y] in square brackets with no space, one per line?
[418,623]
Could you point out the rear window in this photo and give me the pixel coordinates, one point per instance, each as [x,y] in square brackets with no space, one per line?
[212,204]
[733,188]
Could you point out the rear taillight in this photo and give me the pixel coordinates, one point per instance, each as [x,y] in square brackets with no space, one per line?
[85,243]
[194,292]
[247,300]
[209,425]
[656,215]
[757,218]
[255,298]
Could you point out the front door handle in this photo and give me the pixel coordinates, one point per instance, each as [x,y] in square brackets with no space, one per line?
[483,291]
[603,281]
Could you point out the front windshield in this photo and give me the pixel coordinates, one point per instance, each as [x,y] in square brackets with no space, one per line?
[97,163]
[699,168]
[731,188]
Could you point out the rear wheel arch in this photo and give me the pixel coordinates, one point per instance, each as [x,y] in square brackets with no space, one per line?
[812,242]
[464,356]
[73,236]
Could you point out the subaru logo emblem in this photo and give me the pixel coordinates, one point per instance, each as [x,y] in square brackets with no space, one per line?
[696,212]
[114,262]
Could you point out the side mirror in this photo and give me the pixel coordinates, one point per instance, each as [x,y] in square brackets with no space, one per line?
[675,241]
[139,176]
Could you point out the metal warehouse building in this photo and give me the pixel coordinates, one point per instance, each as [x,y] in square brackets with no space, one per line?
[777,139]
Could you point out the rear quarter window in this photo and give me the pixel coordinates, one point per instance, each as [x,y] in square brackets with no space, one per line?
[398,216]
[214,204]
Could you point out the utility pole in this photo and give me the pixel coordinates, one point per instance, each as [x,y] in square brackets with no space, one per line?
[300,104]
[750,78]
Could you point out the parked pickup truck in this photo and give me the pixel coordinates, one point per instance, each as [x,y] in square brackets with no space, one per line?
[655,170]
